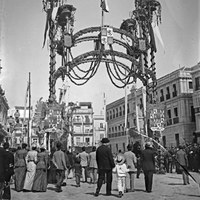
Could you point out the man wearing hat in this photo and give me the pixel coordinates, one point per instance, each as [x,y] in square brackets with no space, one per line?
[148,165]
[105,163]
[131,161]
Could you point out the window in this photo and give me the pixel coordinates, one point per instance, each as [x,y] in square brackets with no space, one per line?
[123,109]
[128,108]
[87,119]
[113,114]
[161,95]
[78,139]
[176,112]
[101,125]
[168,93]
[190,85]
[169,114]
[197,83]
[120,111]
[176,118]
[169,120]
[110,114]
[174,93]
[116,112]
[87,140]
[141,103]
[107,116]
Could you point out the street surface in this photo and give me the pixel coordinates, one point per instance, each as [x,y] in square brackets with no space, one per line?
[168,186]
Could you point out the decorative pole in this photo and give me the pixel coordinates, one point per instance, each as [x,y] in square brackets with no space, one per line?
[29,109]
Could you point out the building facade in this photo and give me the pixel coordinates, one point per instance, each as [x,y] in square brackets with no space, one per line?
[82,120]
[99,130]
[196,97]
[174,94]
[3,113]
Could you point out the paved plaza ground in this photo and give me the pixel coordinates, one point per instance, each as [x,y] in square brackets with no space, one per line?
[168,186]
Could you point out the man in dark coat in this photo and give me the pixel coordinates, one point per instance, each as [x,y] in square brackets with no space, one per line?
[105,164]
[148,165]
[9,171]
[2,167]
[182,159]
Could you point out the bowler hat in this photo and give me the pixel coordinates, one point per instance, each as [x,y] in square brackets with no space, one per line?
[105,140]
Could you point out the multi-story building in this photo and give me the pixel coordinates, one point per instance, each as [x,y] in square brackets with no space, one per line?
[196,97]
[83,124]
[174,93]
[3,113]
[99,130]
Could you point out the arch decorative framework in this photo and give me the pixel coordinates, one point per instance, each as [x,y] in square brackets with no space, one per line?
[135,36]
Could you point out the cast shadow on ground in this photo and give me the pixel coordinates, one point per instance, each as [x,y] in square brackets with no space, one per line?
[175,184]
[102,194]
[174,177]
[190,195]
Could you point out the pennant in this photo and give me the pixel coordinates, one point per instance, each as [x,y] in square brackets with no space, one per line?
[104,5]
[157,33]
[48,20]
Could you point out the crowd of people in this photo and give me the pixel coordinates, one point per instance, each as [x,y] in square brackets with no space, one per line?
[31,170]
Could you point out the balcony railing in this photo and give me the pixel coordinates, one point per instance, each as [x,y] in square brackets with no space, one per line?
[169,122]
[176,120]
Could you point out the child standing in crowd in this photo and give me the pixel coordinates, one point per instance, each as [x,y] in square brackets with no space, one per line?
[78,171]
[121,170]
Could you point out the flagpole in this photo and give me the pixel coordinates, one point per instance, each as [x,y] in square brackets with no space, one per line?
[102,17]
[25,102]
[29,108]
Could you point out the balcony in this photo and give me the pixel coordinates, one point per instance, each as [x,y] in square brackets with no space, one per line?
[167,96]
[174,94]
[162,98]
[176,120]
[169,122]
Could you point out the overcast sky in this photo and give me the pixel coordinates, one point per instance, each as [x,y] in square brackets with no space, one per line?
[22,28]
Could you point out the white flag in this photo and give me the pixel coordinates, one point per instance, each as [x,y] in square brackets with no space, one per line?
[157,33]
[104,5]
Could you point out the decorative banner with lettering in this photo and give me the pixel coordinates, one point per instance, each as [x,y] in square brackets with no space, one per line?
[157,117]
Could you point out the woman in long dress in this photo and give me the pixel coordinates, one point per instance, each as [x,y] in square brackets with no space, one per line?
[31,160]
[20,168]
[40,180]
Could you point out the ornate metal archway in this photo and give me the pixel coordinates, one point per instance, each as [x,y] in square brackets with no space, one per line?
[135,36]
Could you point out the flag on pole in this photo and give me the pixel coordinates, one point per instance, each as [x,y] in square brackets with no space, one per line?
[157,33]
[104,5]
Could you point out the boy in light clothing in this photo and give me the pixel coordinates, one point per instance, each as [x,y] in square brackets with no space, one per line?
[121,170]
